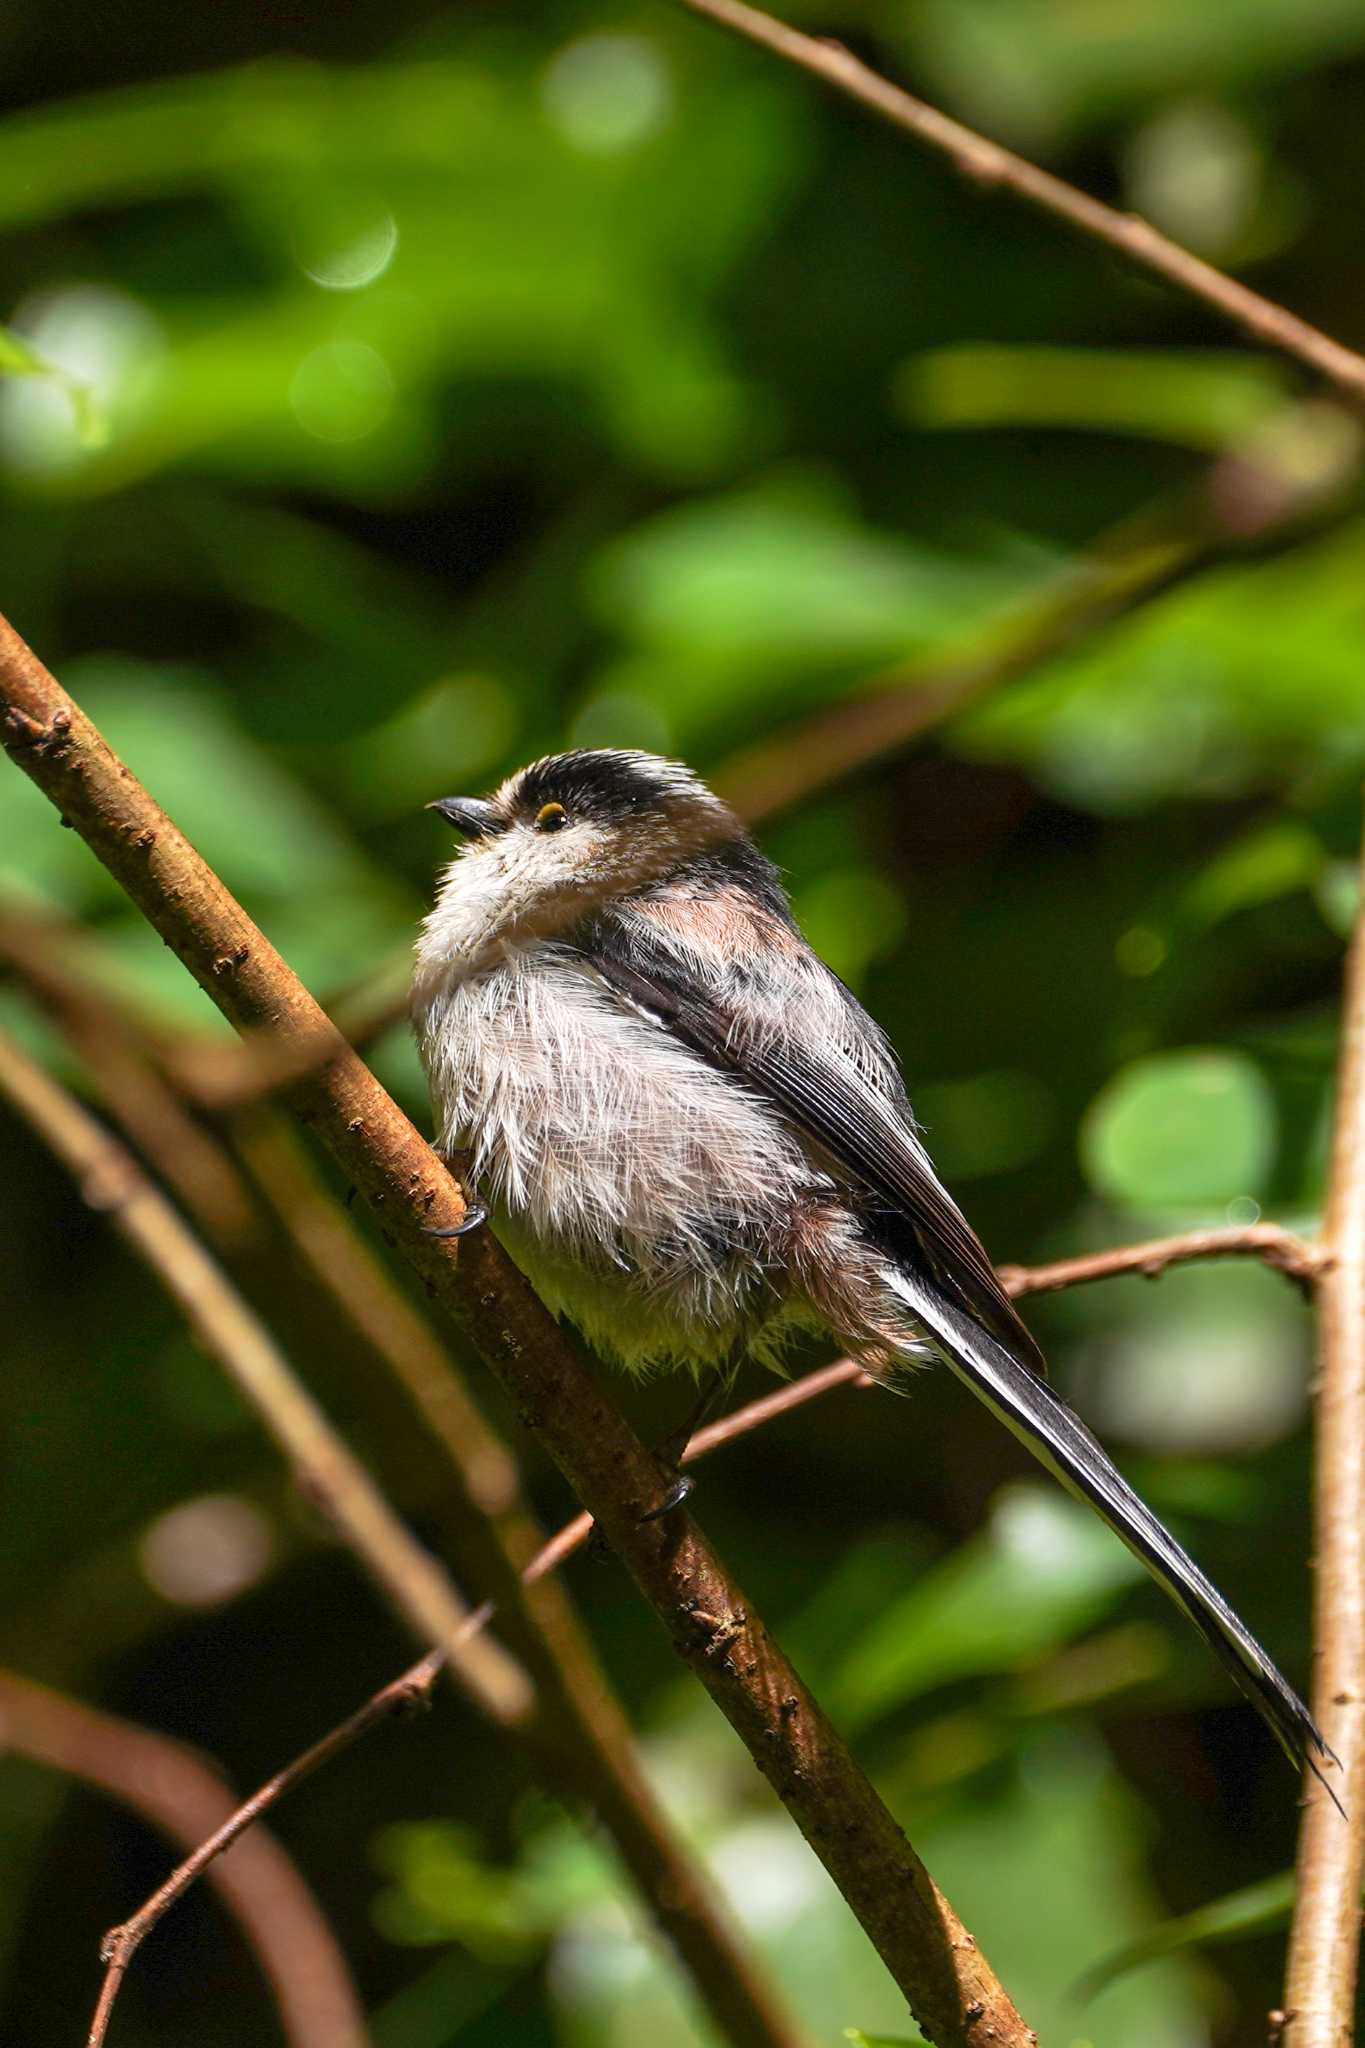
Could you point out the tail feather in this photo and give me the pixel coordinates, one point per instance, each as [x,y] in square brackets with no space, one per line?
[1061,1441]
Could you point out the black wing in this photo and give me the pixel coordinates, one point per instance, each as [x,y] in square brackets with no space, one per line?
[868,1136]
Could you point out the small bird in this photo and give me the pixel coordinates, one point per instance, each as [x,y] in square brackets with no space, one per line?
[696,1143]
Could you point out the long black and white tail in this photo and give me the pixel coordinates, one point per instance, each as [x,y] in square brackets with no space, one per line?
[1057,1437]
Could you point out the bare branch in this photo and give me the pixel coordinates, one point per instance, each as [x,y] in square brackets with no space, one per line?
[1301,1261]
[122,1943]
[986,164]
[177,1791]
[945,1979]
[198,1170]
[1324,1942]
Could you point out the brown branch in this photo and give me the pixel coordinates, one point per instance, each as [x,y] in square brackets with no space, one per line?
[945,1979]
[578,1731]
[986,164]
[231,1077]
[1324,1941]
[111,1180]
[1295,1256]
[177,1791]
[197,1169]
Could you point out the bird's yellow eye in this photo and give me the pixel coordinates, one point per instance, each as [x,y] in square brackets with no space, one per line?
[551,818]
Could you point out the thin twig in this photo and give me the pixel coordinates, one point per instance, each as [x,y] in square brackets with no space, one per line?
[111,1181]
[946,1981]
[182,1796]
[1295,1256]
[987,165]
[122,1943]
[1324,1941]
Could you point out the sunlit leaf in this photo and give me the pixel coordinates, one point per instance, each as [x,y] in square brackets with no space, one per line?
[1187,1127]
[1271,861]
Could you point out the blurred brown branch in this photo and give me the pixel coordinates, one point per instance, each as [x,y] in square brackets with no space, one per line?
[938,1966]
[1324,1940]
[987,165]
[572,1724]
[180,1794]
[1264,492]
[193,1165]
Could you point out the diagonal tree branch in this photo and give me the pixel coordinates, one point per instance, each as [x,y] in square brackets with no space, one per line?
[198,1170]
[986,164]
[939,1968]
[1324,1941]
[178,1793]
[1287,1254]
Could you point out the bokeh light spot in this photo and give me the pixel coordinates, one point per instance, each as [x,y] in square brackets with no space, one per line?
[206,1550]
[341,391]
[606,93]
[345,254]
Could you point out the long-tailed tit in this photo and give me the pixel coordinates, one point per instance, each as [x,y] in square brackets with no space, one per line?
[695,1141]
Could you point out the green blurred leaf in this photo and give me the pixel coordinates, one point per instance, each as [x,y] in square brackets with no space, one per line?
[442,1889]
[1198,400]
[781,578]
[1240,676]
[1042,1571]
[1255,1909]
[1271,861]
[1180,1128]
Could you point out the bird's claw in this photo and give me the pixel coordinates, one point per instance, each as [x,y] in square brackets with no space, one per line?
[475,1214]
[677,1493]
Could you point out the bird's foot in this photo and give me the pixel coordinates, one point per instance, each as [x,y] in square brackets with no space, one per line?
[476,1214]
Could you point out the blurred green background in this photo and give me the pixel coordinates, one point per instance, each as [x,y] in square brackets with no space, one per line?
[399,392]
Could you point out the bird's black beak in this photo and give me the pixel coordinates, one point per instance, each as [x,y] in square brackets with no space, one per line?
[468,814]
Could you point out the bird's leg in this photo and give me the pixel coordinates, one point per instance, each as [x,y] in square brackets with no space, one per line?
[669,1453]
